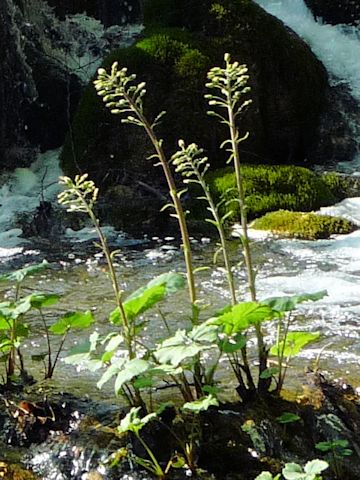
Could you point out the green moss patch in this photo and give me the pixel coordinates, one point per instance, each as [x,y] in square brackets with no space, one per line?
[307,226]
[275,187]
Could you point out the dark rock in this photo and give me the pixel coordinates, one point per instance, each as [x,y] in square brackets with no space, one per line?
[339,132]
[336,11]
[288,90]
[109,12]
[17,90]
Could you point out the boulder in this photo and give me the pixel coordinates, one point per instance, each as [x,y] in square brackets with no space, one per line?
[288,86]
[336,11]
[17,90]
[109,12]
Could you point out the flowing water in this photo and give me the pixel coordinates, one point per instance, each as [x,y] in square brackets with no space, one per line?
[285,266]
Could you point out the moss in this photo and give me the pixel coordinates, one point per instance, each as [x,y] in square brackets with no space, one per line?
[337,184]
[269,188]
[307,226]
[175,71]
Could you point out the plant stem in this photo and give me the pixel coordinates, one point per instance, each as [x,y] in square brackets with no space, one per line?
[180,215]
[157,468]
[48,370]
[234,136]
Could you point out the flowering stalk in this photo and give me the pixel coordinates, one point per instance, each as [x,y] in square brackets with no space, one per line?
[230,83]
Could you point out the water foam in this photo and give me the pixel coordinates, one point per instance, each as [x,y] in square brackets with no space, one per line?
[337,46]
[21,193]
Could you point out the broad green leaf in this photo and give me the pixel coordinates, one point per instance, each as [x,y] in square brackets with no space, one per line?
[146,297]
[264,476]
[41,300]
[130,370]
[77,320]
[114,341]
[294,343]
[110,372]
[244,315]
[293,471]
[132,422]
[316,466]
[202,404]
[175,349]
[288,303]
[19,275]
[288,417]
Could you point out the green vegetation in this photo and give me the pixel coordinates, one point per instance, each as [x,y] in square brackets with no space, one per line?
[14,327]
[187,358]
[294,471]
[307,226]
[275,187]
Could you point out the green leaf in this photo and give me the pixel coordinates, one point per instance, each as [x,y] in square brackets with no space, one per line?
[293,471]
[19,275]
[288,417]
[135,306]
[269,372]
[232,344]
[202,404]
[130,370]
[244,315]
[146,297]
[77,320]
[288,303]
[264,476]
[315,467]
[294,343]
[185,345]
[133,423]
[41,300]
[110,372]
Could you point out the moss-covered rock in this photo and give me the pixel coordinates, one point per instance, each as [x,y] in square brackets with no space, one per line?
[307,226]
[269,188]
[287,90]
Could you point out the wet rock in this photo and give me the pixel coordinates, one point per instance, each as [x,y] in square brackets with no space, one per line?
[109,12]
[336,11]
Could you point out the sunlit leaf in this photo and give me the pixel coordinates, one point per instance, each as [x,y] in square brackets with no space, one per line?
[315,467]
[289,303]
[146,297]
[294,343]
[185,345]
[19,275]
[130,370]
[202,404]
[244,315]
[76,320]
[133,423]
[41,300]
